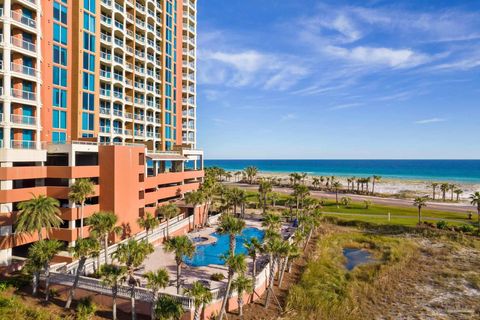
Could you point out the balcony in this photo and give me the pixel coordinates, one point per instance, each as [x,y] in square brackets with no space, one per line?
[105,74]
[117,130]
[138,116]
[23,19]
[25,95]
[106,20]
[23,120]
[104,129]
[23,144]
[105,56]
[150,134]
[20,68]
[22,44]
[104,111]
[139,133]
[118,113]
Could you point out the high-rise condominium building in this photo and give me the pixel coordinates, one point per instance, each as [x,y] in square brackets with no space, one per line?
[98,89]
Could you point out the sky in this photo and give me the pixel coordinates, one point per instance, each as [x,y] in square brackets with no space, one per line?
[305,79]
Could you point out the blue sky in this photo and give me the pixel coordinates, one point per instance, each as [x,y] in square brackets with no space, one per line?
[338,79]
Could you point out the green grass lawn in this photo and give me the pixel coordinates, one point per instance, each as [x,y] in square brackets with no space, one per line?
[399,215]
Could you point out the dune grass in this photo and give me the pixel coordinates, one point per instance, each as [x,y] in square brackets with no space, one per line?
[328,291]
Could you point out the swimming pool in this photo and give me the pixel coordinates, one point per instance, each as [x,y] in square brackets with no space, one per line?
[211,253]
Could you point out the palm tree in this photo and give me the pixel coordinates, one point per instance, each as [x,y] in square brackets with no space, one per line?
[167,212]
[79,192]
[458,192]
[34,266]
[236,264]
[83,249]
[272,221]
[316,183]
[346,201]
[253,247]
[444,188]
[42,252]
[40,212]
[475,200]
[148,222]
[452,188]
[132,254]
[273,246]
[231,226]
[156,280]
[336,186]
[420,202]
[242,201]
[167,308]
[434,186]
[251,173]
[242,284]
[374,180]
[208,189]
[264,188]
[201,296]
[274,197]
[235,197]
[113,276]
[195,198]
[291,251]
[102,225]
[237,175]
[182,247]
[300,192]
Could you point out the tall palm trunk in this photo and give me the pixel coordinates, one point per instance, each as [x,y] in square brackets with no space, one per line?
[152,308]
[373,186]
[282,273]
[132,298]
[232,244]
[81,219]
[35,278]
[114,301]
[168,225]
[227,293]
[105,249]
[47,281]
[270,281]
[419,215]
[240,304]
[71,293]
[179,271]
[196,315]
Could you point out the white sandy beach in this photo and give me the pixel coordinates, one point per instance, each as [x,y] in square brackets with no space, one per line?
[390,186]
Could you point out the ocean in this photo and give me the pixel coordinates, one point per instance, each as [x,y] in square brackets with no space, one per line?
[466,171]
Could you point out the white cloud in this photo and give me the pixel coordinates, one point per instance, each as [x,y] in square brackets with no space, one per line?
[346,106]
[289,116]
[431,120]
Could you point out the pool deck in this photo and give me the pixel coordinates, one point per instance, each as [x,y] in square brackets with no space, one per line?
[161,259]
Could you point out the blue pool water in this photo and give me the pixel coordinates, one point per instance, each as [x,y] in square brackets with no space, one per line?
[212,253]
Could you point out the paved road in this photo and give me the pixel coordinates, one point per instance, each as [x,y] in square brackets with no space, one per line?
[449,207]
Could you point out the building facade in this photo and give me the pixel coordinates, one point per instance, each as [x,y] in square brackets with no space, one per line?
[98,89]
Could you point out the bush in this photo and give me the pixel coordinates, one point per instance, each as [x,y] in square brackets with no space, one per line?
[217,277]
[466,228]
[442,225]
[86,309]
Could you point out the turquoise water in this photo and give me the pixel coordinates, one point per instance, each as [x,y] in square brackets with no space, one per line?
[211,253]
[439,170]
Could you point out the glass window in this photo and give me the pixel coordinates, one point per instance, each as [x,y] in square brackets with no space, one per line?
[88,62]
[89,22]
[59,76]
[59,33]
[59,119]
[60,55]
[87,121]
[59,12]
[89,5]
[88,101]
[88,41]
[59,98]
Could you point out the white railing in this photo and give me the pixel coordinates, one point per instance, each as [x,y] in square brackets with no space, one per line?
[23,144]
[17,16]
[20,68]
[20,43]
[21,94]
[21,119]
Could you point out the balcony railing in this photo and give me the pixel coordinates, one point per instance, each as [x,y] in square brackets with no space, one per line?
[138,116]
[104,129]
[24,120]
[20,68]
[23,144]
[20,43]
[21,94]
[17,16]
[104,111]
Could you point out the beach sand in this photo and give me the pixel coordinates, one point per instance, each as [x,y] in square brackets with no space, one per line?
[389,186]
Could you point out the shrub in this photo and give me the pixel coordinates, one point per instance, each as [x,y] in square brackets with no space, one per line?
[86,309]
[466,228]
[217,277]
[442,225]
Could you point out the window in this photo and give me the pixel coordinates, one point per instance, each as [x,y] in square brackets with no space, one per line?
[169,7]
[59,119]
[59,33]
[89,42]
[59,76]
[88,81]
[88,62]
[87,121]
[59,98]
[168,118]
[169,35]
[168,90]
[168,104]
[89,5]
[168,76]
[89,22]
[59,137]
[60,55]
[59,13]
[169,48]
[88,101]
[169,21]
[168,62]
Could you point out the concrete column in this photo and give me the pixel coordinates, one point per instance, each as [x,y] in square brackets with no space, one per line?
[6,254]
